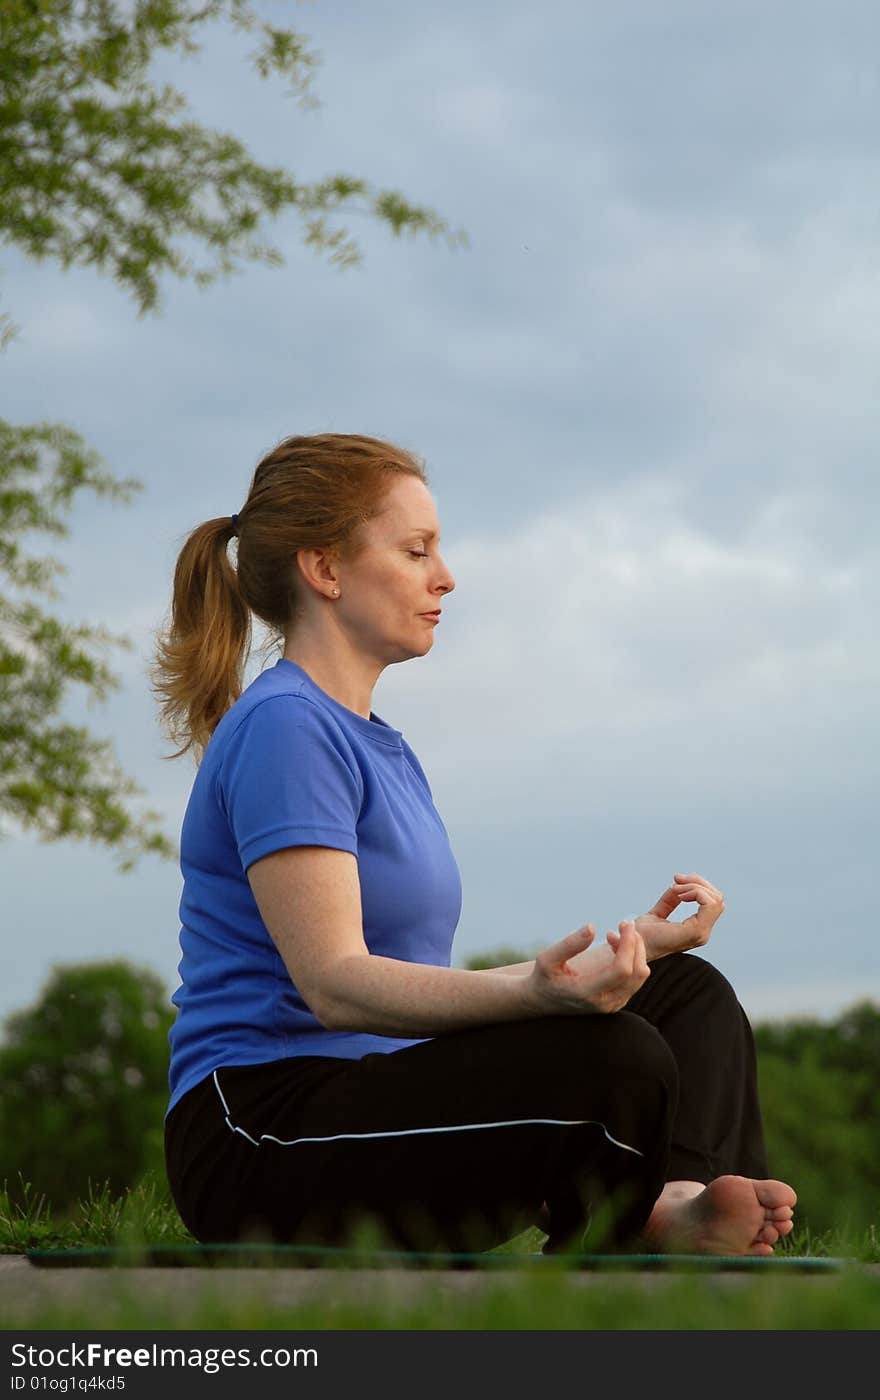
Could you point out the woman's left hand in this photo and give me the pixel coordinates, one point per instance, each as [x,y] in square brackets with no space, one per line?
[661,936]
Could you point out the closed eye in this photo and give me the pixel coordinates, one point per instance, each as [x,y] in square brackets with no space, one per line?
[417,555]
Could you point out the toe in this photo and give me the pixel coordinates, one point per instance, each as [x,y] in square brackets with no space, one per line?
[768,1235]
[775,1193]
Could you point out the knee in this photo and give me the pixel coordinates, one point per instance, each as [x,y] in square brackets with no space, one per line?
[621,1042]
[705,981]
[618,1054]
[637,1050]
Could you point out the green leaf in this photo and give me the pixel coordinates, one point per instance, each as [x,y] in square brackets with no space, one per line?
[56,778]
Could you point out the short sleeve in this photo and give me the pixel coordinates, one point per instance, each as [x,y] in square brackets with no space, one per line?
[285,780]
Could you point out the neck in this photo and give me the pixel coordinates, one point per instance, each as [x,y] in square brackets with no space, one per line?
[348,678]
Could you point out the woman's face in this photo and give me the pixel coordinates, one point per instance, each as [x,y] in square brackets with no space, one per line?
[400,576]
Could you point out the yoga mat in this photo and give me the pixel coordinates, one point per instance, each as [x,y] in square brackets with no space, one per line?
[324,1256]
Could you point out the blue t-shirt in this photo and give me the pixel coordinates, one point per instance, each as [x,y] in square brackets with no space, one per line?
[289,766]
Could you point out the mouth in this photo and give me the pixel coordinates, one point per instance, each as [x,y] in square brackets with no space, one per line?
[435,616]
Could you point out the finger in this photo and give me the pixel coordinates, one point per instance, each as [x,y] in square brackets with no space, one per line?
[669,900]
[567,947]
[698,927]
[690,893]
[576,942]
[641,971]
[693,878]
[698,894]
[613,939]
[683,893]
[626,948]
[640,964]
[711,906]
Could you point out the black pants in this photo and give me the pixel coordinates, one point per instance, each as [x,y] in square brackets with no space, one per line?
[456,1143]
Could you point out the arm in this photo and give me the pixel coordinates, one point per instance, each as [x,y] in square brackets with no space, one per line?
[310,901]
[511,969]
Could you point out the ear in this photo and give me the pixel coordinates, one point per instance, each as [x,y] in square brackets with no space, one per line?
[318,567]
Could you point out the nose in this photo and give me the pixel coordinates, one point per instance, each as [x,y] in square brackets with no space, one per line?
[447,581]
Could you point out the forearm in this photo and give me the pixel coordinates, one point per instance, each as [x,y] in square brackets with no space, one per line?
[513,969]
[384,996]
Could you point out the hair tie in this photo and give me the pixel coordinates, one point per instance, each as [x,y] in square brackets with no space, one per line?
[234,519]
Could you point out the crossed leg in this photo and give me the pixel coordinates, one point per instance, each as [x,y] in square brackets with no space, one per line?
[717,1133]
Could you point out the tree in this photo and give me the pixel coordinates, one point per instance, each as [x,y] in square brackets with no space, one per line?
[100,167]
[819,1141]
[55,777]
[95,168]
[83,1082]
[820,1083]
[498,957]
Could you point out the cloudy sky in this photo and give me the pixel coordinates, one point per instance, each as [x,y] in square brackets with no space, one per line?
[645,393]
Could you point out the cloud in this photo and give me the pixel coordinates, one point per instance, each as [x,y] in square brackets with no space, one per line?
[622,621]
[641,394]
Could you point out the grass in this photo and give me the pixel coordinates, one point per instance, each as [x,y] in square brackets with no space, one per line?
[522,1297]
[142,1215]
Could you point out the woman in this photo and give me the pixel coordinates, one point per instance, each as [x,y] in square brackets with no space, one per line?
[328,1066]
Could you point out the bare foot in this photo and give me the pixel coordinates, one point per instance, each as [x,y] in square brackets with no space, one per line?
[732,1215]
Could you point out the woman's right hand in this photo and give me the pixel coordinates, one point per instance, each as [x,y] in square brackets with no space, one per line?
[575,975]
